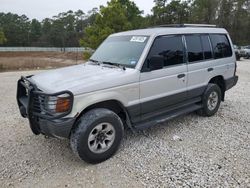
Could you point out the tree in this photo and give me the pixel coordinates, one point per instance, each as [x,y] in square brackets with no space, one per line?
[119,15]
[15,28]
[68,28]
[133,13]
[175,12]
[2,37]
[35,31]
[204,11]
[225,12]
[64,29]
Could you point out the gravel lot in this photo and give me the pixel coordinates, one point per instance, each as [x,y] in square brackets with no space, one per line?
[189,151]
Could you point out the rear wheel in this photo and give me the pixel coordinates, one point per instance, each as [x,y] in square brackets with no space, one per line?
[211,100]
[97,135]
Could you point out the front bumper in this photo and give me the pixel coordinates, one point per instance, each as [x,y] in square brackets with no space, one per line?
[56,128]
[30,101]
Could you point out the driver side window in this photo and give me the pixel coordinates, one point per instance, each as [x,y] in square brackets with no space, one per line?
[170,48]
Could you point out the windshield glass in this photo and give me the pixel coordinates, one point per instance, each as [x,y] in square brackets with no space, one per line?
[123,50]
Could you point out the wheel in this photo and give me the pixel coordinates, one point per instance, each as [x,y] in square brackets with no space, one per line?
[211,100]
[248,56]
[97,135]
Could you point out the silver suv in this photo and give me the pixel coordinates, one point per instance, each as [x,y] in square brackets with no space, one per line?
[135,79]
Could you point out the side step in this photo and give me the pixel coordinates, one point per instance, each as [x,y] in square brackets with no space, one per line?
[165,117]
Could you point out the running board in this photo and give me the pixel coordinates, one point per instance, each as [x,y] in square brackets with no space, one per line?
[165,117]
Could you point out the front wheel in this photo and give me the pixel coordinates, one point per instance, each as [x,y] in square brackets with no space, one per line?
[211,100]
[97,135]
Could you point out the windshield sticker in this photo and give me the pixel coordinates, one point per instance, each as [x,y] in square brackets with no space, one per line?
[132,62]
[138,39]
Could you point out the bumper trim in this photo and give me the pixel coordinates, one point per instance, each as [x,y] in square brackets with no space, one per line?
[229,83]
[57,128]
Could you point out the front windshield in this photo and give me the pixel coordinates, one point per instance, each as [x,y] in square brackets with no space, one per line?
[123,50]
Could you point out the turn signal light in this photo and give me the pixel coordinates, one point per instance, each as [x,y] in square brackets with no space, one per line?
[62,104]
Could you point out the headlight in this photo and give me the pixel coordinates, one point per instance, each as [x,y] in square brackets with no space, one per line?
[58,104]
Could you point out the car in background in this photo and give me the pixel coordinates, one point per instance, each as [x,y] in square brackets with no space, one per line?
[237,52]
[245,52]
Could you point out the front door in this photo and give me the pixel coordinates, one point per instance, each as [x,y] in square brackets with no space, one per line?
[162,88]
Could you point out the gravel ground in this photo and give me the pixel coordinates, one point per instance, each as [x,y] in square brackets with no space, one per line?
[189,151]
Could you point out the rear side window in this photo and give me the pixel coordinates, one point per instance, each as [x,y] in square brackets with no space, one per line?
[221,46]
[194,48]
[170,47]
[206,46]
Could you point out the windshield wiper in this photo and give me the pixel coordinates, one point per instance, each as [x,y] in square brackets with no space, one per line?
[95,62]
[107,63]
[114,64]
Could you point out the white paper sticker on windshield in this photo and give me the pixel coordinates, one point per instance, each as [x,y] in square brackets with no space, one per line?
[133,62]
[138,39]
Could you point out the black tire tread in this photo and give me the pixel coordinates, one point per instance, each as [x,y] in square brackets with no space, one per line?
[204,111]
[83,124]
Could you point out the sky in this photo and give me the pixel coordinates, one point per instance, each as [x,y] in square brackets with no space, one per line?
[41,9]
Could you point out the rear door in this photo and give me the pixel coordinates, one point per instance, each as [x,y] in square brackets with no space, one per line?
[200,63]
[162,88]
[208,55]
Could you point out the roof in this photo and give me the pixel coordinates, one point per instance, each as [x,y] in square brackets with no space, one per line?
[162,30]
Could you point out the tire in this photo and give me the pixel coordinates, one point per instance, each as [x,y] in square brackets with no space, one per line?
[248,56]
[208,109]
[88,140]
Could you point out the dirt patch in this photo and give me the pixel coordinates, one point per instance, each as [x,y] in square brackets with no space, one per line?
[38,60]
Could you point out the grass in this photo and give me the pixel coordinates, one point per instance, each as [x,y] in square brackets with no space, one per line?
[10,61]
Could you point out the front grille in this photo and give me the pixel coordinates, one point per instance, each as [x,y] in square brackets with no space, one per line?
[44,105]
[41,103]
[38,103]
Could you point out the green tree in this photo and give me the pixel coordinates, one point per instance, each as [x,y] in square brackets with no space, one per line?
[225,13]
[67,28]
[35,31]
[175,12]
[204,11]
[240,18]
[46,29]
[2,37]
[119,15]
[15,28]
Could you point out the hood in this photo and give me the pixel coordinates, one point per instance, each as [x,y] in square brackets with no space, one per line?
[84,78]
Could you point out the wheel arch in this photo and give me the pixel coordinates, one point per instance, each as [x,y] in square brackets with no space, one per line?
[220,81]
[112,104]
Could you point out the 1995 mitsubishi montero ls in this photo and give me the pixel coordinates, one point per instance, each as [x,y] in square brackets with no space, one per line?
[135,79]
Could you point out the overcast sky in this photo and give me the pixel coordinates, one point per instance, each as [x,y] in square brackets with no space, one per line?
[40,9]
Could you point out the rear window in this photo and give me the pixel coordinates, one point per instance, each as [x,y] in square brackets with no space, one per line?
[221,46]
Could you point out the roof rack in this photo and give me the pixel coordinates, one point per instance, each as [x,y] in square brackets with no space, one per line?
[186,25]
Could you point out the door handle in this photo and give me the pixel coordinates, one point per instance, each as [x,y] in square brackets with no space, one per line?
[210,69]
[181,76]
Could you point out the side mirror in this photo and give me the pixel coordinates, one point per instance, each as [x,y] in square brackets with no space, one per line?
[155,63]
